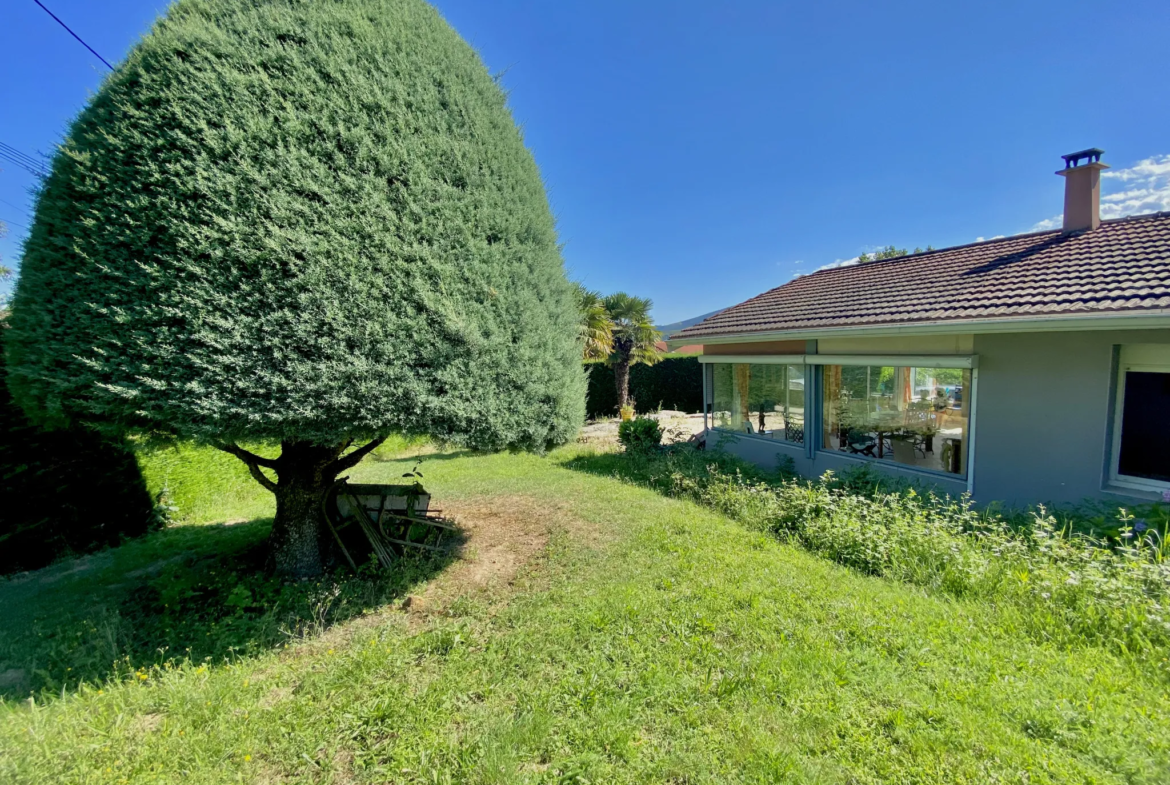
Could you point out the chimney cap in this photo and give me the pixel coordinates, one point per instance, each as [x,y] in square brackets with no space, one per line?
[1072,160]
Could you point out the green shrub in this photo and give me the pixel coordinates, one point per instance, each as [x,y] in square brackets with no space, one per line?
[1063,585]
[640,434]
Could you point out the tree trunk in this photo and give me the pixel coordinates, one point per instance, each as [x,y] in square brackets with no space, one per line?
[621,378]
[305,472]
[298,534]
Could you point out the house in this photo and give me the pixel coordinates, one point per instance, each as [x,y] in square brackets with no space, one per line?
[663,347]
[1033,368]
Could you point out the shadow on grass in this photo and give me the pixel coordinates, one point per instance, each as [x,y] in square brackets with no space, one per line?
[189,593]
[423,458]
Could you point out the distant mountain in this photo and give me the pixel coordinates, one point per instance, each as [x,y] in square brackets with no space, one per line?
[674,327]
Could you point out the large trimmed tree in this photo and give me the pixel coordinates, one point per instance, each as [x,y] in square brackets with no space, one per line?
[312,223]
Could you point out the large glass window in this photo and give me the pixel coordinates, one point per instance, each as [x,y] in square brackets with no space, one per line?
[1142,426]
[1145,428]
[761,399]
[912,416]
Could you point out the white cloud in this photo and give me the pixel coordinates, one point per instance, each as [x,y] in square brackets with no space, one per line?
[840,263]
[1055,222]
[1145,188]
[1150,168]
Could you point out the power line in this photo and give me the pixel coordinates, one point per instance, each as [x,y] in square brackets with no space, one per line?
[31,169]
[75,35]
[26,162]
[23,157]
[6,222]
[16,207]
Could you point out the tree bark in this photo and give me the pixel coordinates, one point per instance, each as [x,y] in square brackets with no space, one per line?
[621,378]
[305,471]
[298,532]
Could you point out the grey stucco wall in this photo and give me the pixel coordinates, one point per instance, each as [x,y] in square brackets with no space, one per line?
[1043,422]
[1044,415]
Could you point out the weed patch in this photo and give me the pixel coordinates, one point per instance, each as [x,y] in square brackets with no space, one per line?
[1063,584]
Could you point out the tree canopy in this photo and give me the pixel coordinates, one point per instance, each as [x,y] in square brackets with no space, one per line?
[298,220]
[304,222]
[633,338]
[596,326]
[889,252]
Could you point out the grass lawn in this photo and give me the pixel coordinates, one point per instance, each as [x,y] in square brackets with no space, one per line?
[593,632]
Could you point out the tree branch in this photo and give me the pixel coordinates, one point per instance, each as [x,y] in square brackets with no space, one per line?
[253,462]
[248,457]
[355,457]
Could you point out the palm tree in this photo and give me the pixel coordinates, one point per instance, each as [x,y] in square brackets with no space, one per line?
[596,327]
[634,338]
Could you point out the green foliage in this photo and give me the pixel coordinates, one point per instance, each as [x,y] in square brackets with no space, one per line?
[674,383]
[889,252]
[640,434]
[291,220]
[634,336]
[5,273]
[199,483]
[65,491]
[596,327]
[1063,585]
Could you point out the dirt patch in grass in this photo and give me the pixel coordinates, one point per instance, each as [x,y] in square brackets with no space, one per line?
[147,723]
[55,573]
[274,696]
[504,535]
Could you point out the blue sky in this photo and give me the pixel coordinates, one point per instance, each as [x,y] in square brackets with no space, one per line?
[700,153]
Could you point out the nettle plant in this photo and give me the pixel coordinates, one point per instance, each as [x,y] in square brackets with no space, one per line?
[312,224]
[1063,585]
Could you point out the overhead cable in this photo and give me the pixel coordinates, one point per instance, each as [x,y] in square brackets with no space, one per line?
[75,35]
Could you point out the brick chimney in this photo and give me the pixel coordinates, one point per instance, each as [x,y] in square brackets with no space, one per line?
[1082,189]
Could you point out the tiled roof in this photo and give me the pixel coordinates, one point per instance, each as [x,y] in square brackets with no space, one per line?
[1123,266]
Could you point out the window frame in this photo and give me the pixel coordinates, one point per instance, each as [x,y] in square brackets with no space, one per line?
[964,362]
[751,359]
[814,365]
[1141,358]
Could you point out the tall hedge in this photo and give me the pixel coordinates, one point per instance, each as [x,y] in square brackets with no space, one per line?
[293,219]
[64,491]
[299,221]
[673,383]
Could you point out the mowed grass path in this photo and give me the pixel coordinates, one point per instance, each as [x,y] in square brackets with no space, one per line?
[648,640]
